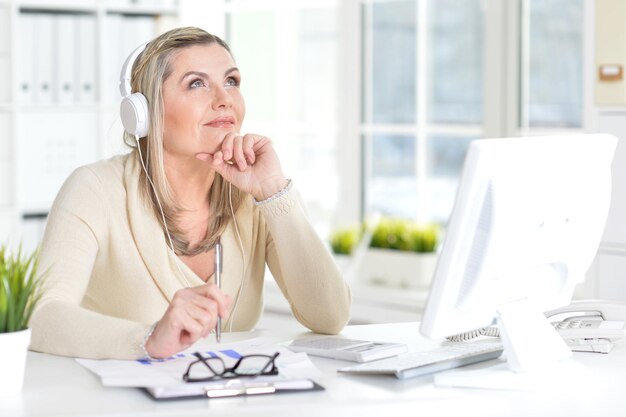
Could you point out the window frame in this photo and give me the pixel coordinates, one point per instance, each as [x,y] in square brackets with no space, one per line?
[506,105]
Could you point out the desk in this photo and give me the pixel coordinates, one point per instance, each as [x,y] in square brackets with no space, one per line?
[57,386]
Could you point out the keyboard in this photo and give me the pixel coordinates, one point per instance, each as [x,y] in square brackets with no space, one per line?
[346,349]
[412,364]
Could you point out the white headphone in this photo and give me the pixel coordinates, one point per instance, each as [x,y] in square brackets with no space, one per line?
[134,106]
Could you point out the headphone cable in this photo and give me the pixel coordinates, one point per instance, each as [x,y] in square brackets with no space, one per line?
[167,232]
[171,244]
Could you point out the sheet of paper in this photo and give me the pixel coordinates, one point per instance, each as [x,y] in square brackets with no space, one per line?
[169,372]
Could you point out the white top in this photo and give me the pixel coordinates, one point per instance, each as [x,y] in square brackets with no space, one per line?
[112,274]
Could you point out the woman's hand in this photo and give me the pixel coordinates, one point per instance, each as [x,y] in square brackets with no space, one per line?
[250,163]
[192,314]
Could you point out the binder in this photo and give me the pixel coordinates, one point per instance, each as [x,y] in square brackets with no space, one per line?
[86,58]
[113,59]
[146,28]
[4,23]
[6,162]
[6,137]
[6,183]
[9,224]
[26,58]
[136,30]
[51,146]
[5,65]
[5,76]
[65,73]
[32,232]
[45,59]
[123,35]
[237,387]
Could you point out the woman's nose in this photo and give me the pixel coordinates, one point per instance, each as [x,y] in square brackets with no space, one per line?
[221,98]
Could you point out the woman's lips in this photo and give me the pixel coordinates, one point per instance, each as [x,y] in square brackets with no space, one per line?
[222,122]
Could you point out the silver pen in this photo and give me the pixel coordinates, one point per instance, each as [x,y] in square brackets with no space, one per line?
[218,282]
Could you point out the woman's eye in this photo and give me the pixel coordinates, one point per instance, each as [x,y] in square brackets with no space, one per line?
[232,82]
[196,84]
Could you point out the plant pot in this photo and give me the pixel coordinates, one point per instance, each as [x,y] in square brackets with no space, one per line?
[13,349]
[394,268]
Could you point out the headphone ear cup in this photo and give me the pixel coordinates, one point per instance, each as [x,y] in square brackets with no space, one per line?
[134,114]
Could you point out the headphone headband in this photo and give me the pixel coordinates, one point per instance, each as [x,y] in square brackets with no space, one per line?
[127,68]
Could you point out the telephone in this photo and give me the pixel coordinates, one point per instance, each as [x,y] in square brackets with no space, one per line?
[585,325]
[590,325]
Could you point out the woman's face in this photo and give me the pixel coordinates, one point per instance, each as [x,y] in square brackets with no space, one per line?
[202,100]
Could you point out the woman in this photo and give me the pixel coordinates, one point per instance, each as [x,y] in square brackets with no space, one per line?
[130,241]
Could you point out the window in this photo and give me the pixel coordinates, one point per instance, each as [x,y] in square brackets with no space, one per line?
[422,90]
[288,56]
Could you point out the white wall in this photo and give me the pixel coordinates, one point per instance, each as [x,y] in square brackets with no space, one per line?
[607,277]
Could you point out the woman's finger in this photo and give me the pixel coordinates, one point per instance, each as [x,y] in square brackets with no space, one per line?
[209,306]
[213,293]
[238,155]
[205,315]
[178,324]
[248,148]
[227,146]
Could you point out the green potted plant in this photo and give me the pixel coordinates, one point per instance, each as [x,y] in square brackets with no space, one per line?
[402,253]
[405,235]
[343,240]
[20,290]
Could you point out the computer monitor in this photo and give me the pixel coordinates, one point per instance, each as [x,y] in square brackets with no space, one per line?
[525,227]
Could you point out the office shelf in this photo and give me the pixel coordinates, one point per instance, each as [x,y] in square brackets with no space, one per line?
[59,107]
[75,6]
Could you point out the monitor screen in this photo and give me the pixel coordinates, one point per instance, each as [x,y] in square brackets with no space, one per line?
[525,227]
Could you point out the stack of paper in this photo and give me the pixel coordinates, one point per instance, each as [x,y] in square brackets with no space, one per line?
[164,378]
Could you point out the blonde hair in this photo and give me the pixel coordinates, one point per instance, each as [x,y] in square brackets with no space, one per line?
[149,72]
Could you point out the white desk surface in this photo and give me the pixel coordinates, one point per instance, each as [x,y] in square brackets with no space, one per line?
[58,386]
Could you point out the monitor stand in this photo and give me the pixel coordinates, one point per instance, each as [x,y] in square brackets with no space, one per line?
[536,355]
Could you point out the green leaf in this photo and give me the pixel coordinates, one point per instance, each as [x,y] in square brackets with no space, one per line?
[344,240]
[405,235]
[20,288]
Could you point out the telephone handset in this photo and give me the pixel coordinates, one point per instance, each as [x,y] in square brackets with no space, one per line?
[590,325]
[604,310]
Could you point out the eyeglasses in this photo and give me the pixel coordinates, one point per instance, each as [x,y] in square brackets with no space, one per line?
[212,368]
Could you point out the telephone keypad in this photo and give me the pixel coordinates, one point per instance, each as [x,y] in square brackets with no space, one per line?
[571,324]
